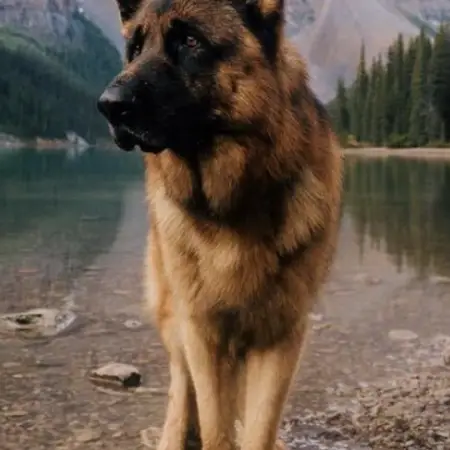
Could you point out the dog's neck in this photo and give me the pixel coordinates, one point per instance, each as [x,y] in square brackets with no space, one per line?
[227,184]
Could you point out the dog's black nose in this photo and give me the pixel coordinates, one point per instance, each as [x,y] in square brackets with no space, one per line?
[115,103]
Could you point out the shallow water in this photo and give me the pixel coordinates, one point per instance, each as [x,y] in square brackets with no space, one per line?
[72,230]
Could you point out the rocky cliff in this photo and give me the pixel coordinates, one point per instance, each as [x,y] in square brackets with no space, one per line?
[55,62]
[48,20]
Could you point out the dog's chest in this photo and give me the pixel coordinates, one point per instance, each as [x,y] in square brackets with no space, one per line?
[208,261]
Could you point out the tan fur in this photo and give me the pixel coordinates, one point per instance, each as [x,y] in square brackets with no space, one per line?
[230,293]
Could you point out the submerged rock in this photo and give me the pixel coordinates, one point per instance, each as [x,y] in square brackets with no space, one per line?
[402,335]
[39,322]
[133,324]
[87,435]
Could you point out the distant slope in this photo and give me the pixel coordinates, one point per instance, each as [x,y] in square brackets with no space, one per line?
[105,14]
[431,11]
[47,90]
[333,47]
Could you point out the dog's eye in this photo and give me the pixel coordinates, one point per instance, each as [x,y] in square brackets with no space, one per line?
[190,41]
[136,44]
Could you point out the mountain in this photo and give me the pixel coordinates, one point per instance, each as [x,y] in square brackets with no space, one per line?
[333,45]
[48,20]
[55,63]
[329,33]
[104,14]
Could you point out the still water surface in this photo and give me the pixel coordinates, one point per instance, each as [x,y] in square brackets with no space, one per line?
[60,210]
[401,207]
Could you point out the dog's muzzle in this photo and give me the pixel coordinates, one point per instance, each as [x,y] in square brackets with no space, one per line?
[119,106]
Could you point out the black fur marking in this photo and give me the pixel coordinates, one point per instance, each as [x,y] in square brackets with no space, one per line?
[266,29]
[135,44]
[128,8]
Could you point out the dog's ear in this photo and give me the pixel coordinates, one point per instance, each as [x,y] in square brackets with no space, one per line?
[265,18]
[127,9]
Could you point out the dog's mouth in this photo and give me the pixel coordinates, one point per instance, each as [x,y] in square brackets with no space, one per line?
[127,139]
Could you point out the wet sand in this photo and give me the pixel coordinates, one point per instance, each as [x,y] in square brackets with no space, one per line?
[48,402]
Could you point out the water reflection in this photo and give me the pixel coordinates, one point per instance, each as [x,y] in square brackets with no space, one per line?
[59,211]
[57,214]
[402,207]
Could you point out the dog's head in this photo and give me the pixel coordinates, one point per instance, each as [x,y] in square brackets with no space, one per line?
[193,68]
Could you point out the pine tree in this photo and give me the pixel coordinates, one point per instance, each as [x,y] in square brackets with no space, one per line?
[390,92]
[402,100]
[360,91]
[342,109]
[368,104]
[440,78]
[399,86]
[408,68]
[419,105]
[377,132]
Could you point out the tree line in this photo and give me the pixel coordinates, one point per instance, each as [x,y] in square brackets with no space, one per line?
[47,90]
[402,99]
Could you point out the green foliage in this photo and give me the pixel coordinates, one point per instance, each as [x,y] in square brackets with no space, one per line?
[419,94]
[341,112]
[46,91]
[440,77]
[401,100]
[398,141]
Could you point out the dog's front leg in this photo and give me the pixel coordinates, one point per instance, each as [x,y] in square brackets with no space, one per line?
[214,378]
[181,415]
[269,374]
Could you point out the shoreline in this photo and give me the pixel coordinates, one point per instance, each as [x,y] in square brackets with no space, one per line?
[385,152]
[10,142]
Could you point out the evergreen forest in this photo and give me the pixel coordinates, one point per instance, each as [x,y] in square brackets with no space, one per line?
[46,91]
[401,99]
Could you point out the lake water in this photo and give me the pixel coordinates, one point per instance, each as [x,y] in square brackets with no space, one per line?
[58,212]
[72,231]
[401,207]
[66,209]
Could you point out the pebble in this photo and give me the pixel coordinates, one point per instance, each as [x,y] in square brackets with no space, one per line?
[439,280]
[132,324]
[367,279]
[16,413]
[117,375]
[10,365]
[316,317]
[38,322]
[87,435]
[402,335]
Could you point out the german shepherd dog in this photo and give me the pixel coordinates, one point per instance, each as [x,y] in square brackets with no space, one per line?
[243,179]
